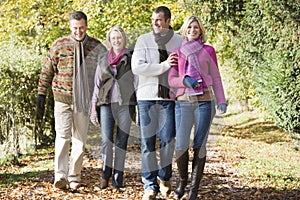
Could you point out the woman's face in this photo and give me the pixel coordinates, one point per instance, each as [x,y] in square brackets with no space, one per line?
[193,31]
[116,40]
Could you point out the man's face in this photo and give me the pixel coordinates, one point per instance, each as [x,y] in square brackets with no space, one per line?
[159,23]
[78,29]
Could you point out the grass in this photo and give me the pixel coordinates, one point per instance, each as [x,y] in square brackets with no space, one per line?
[31,165]
[263,155]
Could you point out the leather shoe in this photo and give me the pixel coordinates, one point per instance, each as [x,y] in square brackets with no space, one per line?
[116,188]
[74,185]
[104,183]
[61,183]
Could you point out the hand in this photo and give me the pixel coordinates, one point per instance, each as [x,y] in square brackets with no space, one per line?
[94,115]
[173,59]
[222,108]
[40,104]
[137,123]
[190,82]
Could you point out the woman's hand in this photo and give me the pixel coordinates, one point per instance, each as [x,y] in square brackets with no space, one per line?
[222,108]
[94,115]
[190,82]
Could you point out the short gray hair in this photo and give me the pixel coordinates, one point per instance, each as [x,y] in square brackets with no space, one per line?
[118,29]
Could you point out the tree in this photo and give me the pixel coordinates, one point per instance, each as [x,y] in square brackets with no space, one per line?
[28,28]
[259,48]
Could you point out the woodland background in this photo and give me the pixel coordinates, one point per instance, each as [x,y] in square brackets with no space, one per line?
[257,44]
[253,150]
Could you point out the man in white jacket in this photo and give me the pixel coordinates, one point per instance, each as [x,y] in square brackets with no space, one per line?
[151,62]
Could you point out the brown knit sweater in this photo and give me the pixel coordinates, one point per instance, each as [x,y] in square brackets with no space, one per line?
[58,67]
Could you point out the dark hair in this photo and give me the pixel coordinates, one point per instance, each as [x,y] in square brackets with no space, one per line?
[78,15]
[165,10]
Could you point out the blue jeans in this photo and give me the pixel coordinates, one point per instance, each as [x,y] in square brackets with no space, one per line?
[156,118]
[110,115]
[188,114]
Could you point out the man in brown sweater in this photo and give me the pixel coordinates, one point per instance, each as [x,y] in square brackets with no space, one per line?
[69,68]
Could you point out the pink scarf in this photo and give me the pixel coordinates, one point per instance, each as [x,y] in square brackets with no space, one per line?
[191,49]
[114,59]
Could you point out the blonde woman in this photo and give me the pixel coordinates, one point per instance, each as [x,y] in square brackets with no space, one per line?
[114,92]
[196,78]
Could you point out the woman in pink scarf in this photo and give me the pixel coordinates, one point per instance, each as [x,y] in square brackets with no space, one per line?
[196,79]
[114,91]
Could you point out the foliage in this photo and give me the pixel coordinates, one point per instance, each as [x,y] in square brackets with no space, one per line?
[257,43]
[35,22]
[258,47]
[28,30]
[272,34]
[20,67]
[42,22]
[222,21]
[134,20]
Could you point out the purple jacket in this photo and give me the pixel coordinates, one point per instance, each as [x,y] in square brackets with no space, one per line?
[209,72]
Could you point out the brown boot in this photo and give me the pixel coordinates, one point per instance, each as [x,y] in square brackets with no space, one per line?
[182,165]
[197,173]
[104,183]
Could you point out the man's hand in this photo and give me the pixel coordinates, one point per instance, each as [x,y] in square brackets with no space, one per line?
[173,59]
[40,103]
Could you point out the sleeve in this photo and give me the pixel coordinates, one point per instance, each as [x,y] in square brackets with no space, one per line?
[145,59]
[47,73]
[97,85]
[175,80]
[216,78]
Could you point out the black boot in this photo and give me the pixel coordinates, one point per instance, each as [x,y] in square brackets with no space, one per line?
[197,173]
[182,165]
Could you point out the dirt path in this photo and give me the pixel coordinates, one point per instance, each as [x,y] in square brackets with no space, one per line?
[220,179]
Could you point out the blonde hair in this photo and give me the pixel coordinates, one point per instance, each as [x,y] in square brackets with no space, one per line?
[118,29]
[186,24]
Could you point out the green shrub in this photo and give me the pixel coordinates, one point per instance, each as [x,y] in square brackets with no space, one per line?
[258,48]
[20,68]
[275,48]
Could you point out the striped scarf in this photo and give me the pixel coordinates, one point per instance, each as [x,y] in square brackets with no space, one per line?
[190,50]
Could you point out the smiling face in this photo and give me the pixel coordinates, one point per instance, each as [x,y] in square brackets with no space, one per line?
[159,23]
[117,41]
[78,29]
[193,31]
